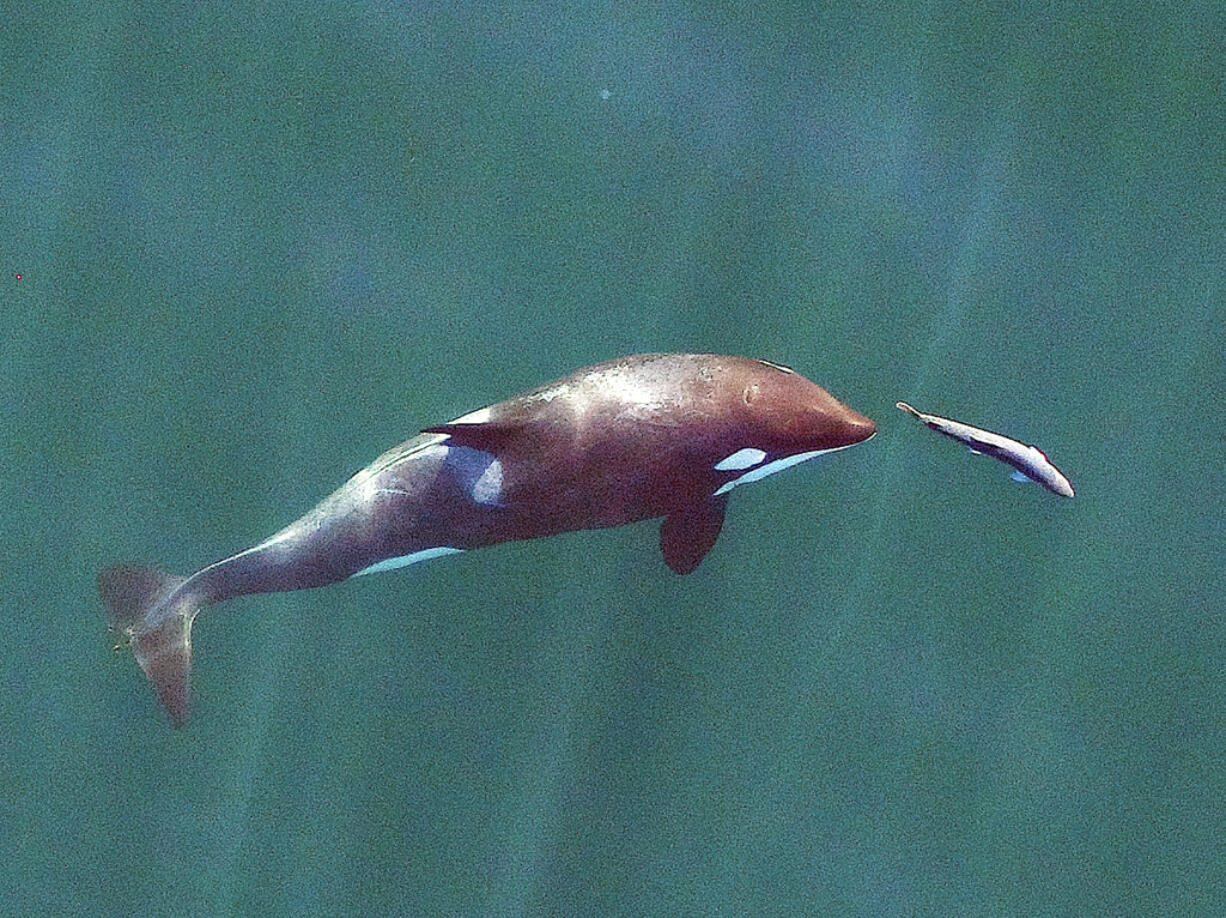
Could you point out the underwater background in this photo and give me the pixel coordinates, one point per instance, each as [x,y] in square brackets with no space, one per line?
[245,248]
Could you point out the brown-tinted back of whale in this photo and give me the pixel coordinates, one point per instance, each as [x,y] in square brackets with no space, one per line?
[637,437]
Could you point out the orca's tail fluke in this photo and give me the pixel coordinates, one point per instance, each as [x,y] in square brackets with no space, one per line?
[146,607]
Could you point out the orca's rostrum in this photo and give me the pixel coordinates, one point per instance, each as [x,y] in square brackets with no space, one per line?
[654,435]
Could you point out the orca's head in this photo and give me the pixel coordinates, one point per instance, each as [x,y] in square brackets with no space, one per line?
[795,414]
[782,419]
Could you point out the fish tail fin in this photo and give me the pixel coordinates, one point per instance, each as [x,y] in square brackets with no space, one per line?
[157,624]
[903,406]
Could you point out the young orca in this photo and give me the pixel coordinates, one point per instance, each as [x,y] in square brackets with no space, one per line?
[1029,462]
[639,437]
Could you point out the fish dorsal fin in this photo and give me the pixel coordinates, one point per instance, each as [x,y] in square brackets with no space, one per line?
[488,436]
[687,534]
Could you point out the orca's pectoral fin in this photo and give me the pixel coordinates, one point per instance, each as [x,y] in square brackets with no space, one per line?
[686,535]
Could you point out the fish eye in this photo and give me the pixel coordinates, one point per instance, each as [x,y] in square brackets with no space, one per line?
[776,366]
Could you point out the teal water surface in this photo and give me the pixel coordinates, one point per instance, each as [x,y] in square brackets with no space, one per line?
[259,244]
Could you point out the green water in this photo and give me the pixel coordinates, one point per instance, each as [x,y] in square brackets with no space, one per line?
[260,243]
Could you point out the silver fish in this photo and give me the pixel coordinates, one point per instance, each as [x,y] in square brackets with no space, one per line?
[1029,462]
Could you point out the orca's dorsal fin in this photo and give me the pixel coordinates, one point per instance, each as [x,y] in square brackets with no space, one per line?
[687,534]
[488,436]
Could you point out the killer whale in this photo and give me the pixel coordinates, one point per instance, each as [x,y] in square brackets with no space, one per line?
[639,437]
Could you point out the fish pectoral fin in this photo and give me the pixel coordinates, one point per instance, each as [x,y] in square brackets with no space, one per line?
[1020,476]
[687,534]
[973,451]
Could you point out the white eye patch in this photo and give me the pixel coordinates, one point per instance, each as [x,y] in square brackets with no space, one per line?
[772,467]
[741,459]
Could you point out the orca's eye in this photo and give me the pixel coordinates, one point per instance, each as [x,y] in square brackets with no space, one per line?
[776,366]
[750,395]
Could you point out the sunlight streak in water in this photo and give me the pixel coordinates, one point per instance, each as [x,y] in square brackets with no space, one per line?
[531,814]
[978,228]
